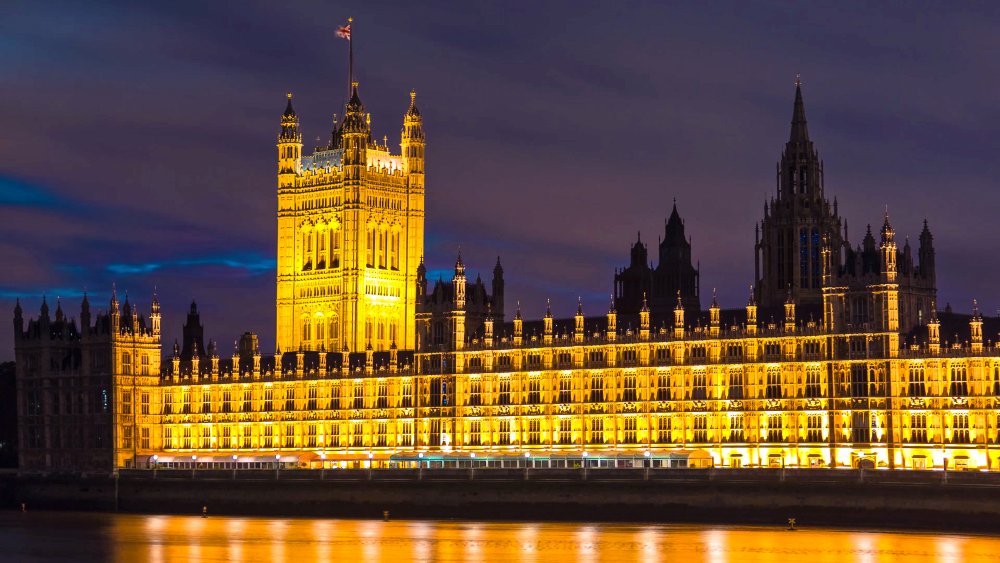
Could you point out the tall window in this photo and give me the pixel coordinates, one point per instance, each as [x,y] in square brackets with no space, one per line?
[334,248]
[736,384]
[503,397]
[959,381]
[370,254]
[803,259]
[813,387]
[359,395]
[814,428]
[773,390]
[736,428]
[775,431]
[395,250]
[597,388]
[503,434]
[699,388]
[565,388]
[662,387]
[534,431]
[596,430]
[475,433]
[313,394]
[663,430]
[917,387]
[475,392]
[960,429]
[700,428]
[628,389]
[534,390]
[918,428]
[814,257]
[629,433]
[565,429]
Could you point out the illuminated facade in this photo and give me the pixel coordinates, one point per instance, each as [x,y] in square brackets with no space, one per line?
[350,234]
[852,387]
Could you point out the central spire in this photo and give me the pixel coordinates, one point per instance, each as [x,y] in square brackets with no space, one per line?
[799,132]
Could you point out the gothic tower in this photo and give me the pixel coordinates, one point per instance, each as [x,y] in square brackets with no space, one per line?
[787,249]
[350,234]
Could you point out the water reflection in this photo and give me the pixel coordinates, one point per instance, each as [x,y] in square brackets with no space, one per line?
[166,539]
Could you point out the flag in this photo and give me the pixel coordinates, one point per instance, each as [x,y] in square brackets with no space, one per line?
[344,31]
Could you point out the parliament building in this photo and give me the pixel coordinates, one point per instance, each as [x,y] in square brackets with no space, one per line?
[838,358]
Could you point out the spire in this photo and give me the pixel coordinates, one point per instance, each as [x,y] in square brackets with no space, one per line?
[412,111]
[289,110]
[715,299]
[498,269]
[548,308]
[887,233]
[799,132]
[459,265]
[17,308]
[579,305]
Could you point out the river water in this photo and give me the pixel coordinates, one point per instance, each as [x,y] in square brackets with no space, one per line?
[56,537]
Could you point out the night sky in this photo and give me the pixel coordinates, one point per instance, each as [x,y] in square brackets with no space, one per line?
[137,142]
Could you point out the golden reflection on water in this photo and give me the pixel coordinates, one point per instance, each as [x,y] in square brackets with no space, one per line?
[178,538]
[169,539]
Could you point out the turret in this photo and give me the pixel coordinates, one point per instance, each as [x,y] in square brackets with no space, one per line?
[790,313]
[175,363]
[412,145]
[826,263]
[114,311]
[85,316]
[289,147]
[547,322]
[578,322]
[213,358]
[355,133]
[498,287]
[751,314]
[488,328]
[18,320]
[612,330]
[458,312]
[154,316]
[195,363]
[518,326]
[421,281]
[236,361]
[976,329]
[887,248]
[679,317]
[369,358]
[458,283]
[926,255]
[393,358]
[714,314]
[644,317]
[934,331]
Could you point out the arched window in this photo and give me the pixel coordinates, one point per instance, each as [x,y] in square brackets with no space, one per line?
[371,247]
[306,330]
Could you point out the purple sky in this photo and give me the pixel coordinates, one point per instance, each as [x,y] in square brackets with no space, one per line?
[138,140]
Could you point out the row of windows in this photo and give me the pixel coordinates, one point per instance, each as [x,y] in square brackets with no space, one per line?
[700,428]
[284,399]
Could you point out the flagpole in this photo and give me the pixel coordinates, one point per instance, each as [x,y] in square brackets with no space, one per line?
[350,56]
